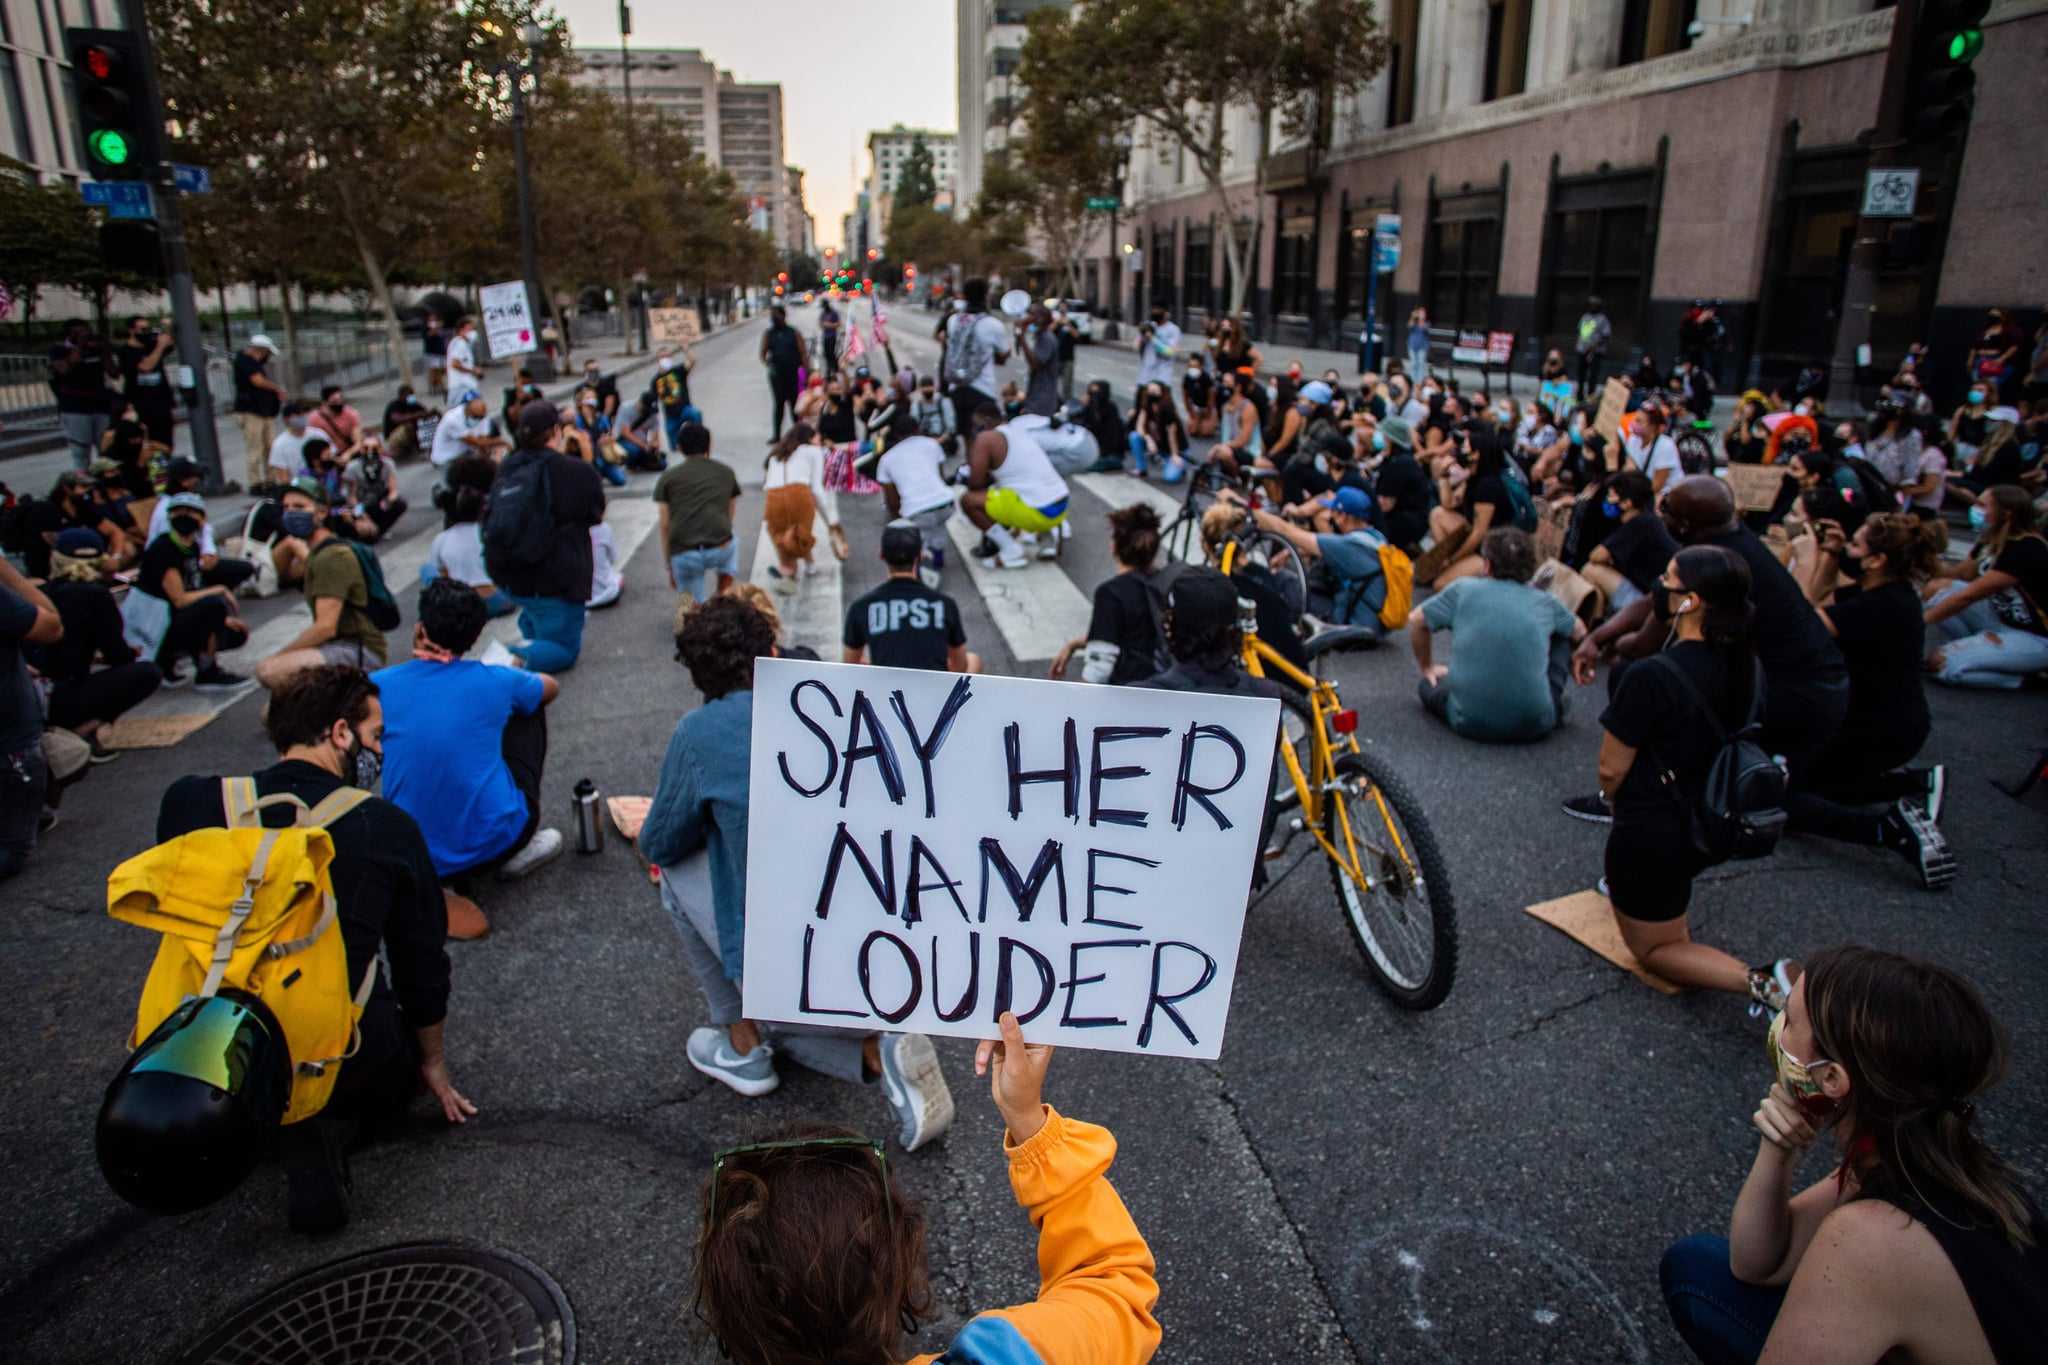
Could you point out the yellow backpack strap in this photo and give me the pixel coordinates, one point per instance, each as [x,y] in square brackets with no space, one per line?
[238,801]
[339,802]
[238,915]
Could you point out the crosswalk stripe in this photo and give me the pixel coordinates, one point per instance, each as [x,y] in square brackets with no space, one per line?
[1119,490]
[1037,608]
[815,615]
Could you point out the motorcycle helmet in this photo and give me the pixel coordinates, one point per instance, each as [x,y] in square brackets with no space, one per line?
[193,1108]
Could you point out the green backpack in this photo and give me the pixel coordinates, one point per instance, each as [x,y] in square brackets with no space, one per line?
[382,607]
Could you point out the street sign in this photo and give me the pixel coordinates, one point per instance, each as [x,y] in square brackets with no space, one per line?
[1386,243]
[192,179]
[1890,193]
[1104,203]
[508,326]
[121,198]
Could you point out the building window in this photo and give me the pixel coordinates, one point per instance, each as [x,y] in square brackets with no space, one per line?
[16,111]
[1598,246]
[1507,48]
[1460,258]
[1403,36]
[1294,265]
[1354,257]
[1651,28]
[1196,290]
[1162,268]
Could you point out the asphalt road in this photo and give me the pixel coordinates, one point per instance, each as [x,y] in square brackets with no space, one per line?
[1493,1181]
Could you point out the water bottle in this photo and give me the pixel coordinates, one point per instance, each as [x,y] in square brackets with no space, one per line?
[589,812]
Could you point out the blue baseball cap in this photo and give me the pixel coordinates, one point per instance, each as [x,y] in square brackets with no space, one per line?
[1352,502]
[1315,391]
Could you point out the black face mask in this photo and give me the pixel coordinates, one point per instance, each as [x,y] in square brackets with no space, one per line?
[188,527]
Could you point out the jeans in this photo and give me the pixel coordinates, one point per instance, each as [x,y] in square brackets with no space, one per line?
[1725,1321]
[498,603]
[24,782]
[1137,447]
[1982,651]
[524,746]
[553,630]
[686,895]
[82,432]
[1418,361]
[693,568]
[104,695]
[674,422]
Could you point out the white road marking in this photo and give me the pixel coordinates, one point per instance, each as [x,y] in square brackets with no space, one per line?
[815,615]
[1037,608]
[1120,490]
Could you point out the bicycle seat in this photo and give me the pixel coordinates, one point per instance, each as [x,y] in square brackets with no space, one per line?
[1340,638]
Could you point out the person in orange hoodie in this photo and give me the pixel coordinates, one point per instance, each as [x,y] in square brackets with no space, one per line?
[811,1253]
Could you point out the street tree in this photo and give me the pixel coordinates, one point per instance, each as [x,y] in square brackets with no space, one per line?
[1182,68]
[49,241]
[916,183]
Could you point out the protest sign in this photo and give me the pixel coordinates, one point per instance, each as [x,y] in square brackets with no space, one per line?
[1613,407]
[927,850]
[1755,486]
[672,326]
[508,326]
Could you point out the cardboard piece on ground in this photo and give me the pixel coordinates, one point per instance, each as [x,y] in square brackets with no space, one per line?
[1755,486]
[153,732]
[928,849]
[628,813]
[1550,531]
[1588,917]
[1580,597]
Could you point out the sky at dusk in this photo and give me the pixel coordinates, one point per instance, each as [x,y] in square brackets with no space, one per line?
[846,68]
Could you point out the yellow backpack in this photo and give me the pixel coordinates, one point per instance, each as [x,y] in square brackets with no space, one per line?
[252,908]
[1399,572]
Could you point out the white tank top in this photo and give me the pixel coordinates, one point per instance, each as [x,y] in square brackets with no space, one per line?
[1027,472]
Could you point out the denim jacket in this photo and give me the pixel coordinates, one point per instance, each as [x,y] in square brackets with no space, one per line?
[701,802]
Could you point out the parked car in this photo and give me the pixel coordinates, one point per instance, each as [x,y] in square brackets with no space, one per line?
[1077,313]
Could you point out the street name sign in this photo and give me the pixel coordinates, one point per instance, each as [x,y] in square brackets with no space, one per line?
[927,850]
[1108,203]
[192,179]
[120,198]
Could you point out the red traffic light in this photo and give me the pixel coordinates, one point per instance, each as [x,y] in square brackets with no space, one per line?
[102,62]
[873,254]
[782,277]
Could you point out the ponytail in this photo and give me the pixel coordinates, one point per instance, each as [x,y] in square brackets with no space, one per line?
[1911,547]
[1720,579]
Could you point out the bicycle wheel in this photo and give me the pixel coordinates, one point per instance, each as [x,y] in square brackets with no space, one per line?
[1405,925]
[1285,563]
[1181,541]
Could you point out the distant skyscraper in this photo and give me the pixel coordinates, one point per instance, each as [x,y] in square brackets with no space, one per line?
[991,41]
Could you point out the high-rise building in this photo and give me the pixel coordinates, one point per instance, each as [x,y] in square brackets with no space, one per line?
[37,127]
[736,125]
[991,42]
[801,234]
[888,149]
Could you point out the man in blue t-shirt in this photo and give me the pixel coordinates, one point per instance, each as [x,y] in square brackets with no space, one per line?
[464,744]
[1506,683]
[1351,588]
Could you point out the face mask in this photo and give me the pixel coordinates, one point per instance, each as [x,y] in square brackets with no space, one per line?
[296,425]
[1797,1076]
[1322,465]
[298,524]
[1611,510]
[362,766]
[1977,517]
[336,405]
[1013,408]
[1804,410]
[186,527]
[1578,437]
[1976,395]
[1379,441]
[1661,604]
[1503,414]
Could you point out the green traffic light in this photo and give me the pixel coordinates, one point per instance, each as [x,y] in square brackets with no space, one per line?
[1965,44]
[110,147]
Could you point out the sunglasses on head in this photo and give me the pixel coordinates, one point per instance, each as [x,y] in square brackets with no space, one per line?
[801,1145]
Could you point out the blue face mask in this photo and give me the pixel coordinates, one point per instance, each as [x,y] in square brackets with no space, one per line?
[1611,510]
[298,524]
[1578,437]
[1976,517]
[1379,441]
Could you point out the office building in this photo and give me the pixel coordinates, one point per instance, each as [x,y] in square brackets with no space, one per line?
[36,123]
[991,41]
[736,125]
[1541,152]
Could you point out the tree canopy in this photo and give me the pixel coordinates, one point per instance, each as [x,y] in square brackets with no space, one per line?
[915,183]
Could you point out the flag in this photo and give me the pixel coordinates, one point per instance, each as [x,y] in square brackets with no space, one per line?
[880,323]
[855,347]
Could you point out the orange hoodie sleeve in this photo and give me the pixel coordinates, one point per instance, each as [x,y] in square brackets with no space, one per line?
[1096,1289]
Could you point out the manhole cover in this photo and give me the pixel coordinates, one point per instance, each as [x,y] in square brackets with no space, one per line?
[431,1303]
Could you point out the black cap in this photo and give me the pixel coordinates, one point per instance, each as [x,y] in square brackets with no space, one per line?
[538,416]
[180,469]
[1202,599]
[902,544]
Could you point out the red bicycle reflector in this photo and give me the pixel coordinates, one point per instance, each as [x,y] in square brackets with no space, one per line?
[1344,722]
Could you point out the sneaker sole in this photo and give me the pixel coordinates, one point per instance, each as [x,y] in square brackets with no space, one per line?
[1589,819]
[224,687]
[1935,860]
[1937,793]
[921,1076]
[508,874]
[751,1089]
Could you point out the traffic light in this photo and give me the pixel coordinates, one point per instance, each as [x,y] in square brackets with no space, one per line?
[874,254]
[123,139]
[782,277]
[1944,88]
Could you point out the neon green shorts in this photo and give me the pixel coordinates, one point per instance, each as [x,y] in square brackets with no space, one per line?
[1005,508]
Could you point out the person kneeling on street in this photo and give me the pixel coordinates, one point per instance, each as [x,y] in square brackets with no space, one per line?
[540,554]
[1506,681]
[696,833]
[810,1250]
[327,726]
[464,744]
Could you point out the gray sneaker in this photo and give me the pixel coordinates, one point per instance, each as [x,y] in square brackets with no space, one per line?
[916,1088]
[710,1051]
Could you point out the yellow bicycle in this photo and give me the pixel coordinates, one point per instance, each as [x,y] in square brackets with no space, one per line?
[1385,866]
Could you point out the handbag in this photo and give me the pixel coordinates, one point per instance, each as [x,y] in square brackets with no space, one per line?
[145,620]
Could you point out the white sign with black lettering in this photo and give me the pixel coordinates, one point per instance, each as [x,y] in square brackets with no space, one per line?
[508,325]
[927,850]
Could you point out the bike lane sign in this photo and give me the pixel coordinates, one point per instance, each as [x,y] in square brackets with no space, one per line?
[927,850]
[1890,193]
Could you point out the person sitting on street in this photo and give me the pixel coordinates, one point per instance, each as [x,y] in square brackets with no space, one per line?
[69,505]
[551,595]
[1205,639]
[1012,488]
[1157,431]
[82,700]
[1100,415]
[1351,588]
[810,1250]
[1626,564]
[1278,622]
[287,459]
[327,727]
[906,623]
[457,551]
[1922,1243]
[369,484]
[182,476]
[343,424]
[1472,483]
[1993,615]
[27,619]
[700,805]
[1123,643]
[203,623]
[464,746]
[467,430]
[1506,682]
[402,418]
[337,594]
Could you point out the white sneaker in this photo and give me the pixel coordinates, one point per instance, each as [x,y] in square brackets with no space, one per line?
[928,576]
[496,653]
[752,1073]
[543,847]
[916,1088]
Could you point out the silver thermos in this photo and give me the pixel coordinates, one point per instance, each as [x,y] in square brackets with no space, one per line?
[589,807]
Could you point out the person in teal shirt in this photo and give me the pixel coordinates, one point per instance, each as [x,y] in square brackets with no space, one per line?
[1506,682]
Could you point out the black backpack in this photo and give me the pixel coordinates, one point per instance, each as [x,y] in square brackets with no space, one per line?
[519,520]
[1157,588]
[1741,811]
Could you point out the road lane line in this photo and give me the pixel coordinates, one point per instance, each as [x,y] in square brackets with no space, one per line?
[1120,490]
[815,615]
[1037,608]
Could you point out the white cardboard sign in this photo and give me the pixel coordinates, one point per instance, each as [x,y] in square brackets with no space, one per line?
[507,324]
[926,850]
